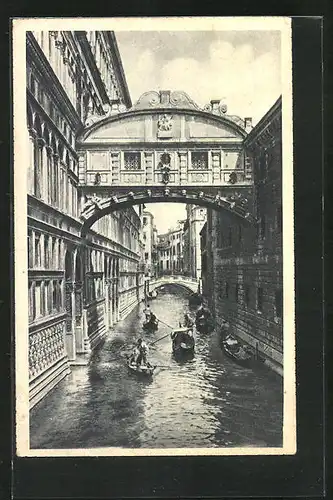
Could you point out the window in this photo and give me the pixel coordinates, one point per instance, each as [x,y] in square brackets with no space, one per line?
[247,295]
[260,299]
[237,292]
[30,251]
[38,154]
[278,303]
[38,299]
[199,160]
[46,252]
[226,290]
[279,218]
[37,251]
[132,161]
[146,256]
[240,234]
[229,236]
[262,226]
[31,302]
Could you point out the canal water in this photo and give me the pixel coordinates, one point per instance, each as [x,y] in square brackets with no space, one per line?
[207,401]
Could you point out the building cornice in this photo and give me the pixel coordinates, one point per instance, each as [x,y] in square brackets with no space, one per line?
[116,60]
[221,120]
[86,49]
[35,54]
[273,114]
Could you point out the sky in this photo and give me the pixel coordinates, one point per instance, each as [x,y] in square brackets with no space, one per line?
[166,215]
[240,67]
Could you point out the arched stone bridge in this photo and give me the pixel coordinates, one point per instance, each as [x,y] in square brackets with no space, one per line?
[165,148]
[97,207]
[190,284]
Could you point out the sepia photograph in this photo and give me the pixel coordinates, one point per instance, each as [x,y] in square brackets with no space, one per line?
[154,258]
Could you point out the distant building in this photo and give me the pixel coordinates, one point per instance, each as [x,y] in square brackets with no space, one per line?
[196,218]
[148,240]
[242,264]
[170,251]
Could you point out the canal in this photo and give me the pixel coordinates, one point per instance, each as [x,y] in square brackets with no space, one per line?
[208,401]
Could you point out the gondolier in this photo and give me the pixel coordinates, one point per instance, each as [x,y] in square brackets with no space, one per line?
[140,353]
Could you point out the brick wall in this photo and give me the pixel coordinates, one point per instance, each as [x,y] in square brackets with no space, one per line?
[243,279]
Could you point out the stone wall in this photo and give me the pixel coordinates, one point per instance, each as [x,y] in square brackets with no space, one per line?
[243,281]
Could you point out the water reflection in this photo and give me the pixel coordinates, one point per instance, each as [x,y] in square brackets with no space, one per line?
[206,400]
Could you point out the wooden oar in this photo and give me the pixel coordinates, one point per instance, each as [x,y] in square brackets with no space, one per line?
[161,338]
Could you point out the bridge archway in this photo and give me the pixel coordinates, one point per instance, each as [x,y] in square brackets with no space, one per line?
[183,282]
[95,208]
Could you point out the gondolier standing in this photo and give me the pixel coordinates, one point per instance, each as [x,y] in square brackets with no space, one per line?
[142,352]
[147,313]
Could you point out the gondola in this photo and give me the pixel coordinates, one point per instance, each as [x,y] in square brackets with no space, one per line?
[183,341]
[195,300]
[236,351]
[203,325]
[150,326]
[144,370]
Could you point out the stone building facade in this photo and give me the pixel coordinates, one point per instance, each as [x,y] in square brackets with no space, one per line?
[170,251]
[78,288]
[196,217]
[242,263]
[149,241]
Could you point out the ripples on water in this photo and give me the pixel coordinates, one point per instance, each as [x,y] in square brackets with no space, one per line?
[207,401]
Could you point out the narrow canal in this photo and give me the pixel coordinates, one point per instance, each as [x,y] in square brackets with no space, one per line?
[208,401]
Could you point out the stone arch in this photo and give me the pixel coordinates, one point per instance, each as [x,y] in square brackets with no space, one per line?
[97,208]
[69,271]
[30,116]
[38,126]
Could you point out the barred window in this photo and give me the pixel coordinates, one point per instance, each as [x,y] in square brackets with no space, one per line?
[132,161]
[199,160]
[237,292]
[226,290]
[260,299]
[247,295]
[278,303]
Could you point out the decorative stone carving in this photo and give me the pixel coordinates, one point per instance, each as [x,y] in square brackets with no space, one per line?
[165,99]
[164,126]
[92,201]
[164,123]
[238,198]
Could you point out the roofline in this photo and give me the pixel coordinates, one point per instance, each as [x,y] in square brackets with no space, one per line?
[277,106]
[157,110]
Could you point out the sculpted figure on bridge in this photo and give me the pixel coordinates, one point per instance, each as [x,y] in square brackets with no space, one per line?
[92,201]
[165,122]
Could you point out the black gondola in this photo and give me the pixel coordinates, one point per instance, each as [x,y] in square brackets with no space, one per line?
[195,300]
[204,325]
[236,351]
[150,325]
[183,341]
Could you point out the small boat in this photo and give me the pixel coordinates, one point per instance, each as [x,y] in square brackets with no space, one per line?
[195,300]
[203,325]
[145,370]
[183,341]
[150,326]
[236,351]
